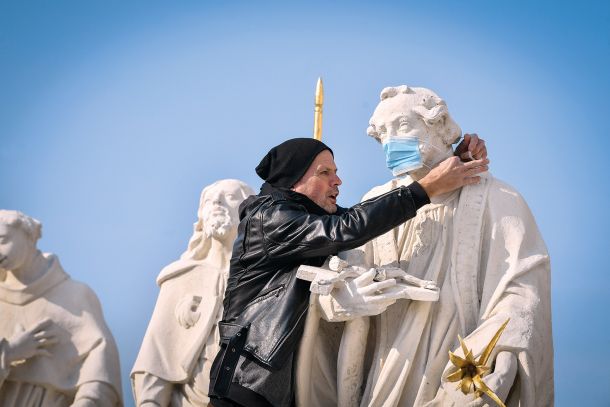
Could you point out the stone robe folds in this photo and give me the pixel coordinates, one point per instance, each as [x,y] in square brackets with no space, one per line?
[174,362]
[85,361]
[482,246]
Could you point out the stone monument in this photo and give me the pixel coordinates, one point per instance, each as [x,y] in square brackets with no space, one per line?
[182,339]
[483,249]
[55,348]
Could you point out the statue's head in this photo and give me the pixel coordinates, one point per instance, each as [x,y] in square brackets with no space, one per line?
[18,236]
[217,216]
[416,114]
[218,207]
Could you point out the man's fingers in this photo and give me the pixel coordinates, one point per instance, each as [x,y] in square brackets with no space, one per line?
[466,140]
[372,288]
[475,163]
[467,156]
[472,143]
[477,170]
[479,147]
[480,153]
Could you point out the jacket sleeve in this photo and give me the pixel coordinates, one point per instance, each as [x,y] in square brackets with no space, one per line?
[291,233]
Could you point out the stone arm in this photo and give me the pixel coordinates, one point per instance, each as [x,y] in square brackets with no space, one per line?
[151,391]
[514,282]
[96,394]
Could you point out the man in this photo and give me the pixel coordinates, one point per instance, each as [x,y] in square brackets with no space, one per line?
[482,247]
[173,366]
[295,220]
[55,348]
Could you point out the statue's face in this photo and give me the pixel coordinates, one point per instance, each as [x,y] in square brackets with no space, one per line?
[394,117]
[220,209]
[15,247]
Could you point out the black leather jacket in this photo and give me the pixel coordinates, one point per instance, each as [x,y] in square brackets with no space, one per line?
[277,233]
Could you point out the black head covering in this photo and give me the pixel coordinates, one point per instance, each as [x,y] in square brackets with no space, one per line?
[286,163]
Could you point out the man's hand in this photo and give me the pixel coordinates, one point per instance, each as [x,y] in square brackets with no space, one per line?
[25,344]
[452,174]
[471,148]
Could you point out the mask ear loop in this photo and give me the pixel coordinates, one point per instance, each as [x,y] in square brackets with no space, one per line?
[433,146]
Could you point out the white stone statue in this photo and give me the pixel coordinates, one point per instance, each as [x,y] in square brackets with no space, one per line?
[482,247]
[55,348]
[182,339]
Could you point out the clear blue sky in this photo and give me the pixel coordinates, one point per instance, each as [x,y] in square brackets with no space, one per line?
[114,115]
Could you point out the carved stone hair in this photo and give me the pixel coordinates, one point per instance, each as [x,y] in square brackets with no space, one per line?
[430,108]
[31,226]
[199,244]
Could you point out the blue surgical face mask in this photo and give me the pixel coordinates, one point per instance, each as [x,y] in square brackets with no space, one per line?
[402,154]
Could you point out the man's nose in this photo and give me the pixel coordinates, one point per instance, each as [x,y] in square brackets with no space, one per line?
[337,181]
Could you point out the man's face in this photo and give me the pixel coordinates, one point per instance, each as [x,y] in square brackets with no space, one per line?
[220,209]
[15,247]
[321,182]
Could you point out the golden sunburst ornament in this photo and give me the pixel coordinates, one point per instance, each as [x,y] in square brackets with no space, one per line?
[470,371]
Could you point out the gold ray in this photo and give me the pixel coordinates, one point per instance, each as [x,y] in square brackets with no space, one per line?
[492,344]
[456,360]
[455,376]
[466,384]
[480,384]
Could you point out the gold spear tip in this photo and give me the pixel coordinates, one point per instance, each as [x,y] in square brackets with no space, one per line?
[319,92]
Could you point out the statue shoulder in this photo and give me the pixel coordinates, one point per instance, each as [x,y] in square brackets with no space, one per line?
[504,194]
[378,190]
[505,204]
[80,294]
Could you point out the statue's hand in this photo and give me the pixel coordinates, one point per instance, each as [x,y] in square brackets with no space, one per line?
[499,381]
[399,274]
[358,297]
[503,376]
[25,344]
[187,310]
